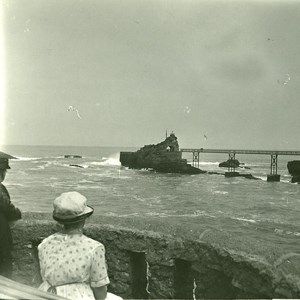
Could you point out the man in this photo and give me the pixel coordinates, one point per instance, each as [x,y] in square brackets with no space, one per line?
[8,213]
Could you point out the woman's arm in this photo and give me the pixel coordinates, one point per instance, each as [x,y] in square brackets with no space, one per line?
[100,292]
[98,273]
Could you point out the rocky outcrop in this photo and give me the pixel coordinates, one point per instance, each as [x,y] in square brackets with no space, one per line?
[77,166]
[294,167]
[164,157]
[230,163]
[72,156]
[294,170]
[295,179]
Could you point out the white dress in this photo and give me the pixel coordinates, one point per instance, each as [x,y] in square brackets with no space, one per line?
[72,263]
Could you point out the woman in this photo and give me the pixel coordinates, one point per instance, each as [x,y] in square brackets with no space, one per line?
[8,214]
[71,264]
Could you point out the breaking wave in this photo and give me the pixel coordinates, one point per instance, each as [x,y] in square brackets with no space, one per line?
[112,160]
[244,220]
[27,158]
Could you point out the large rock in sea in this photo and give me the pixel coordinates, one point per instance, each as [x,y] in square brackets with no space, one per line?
[294,170]
[294,167]
[234,163]
[164,157]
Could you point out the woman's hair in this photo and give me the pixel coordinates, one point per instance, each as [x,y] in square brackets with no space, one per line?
[76,225]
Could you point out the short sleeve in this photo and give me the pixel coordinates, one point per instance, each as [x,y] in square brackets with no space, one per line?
[98,275]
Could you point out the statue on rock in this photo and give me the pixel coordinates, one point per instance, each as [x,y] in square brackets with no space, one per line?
[163,157]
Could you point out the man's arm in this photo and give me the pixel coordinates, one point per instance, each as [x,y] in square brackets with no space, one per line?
[10,212]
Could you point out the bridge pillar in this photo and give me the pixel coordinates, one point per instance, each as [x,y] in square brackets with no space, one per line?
[231,167]
[196,158]
[273,176]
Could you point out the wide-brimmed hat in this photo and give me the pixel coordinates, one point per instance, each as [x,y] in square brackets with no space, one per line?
[71,207]
[4,157]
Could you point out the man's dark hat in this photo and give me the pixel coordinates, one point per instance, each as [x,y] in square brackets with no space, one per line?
[4,157]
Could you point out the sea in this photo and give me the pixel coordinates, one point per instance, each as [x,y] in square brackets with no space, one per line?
[265,211]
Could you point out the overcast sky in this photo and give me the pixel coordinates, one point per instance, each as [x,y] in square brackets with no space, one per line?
[229,70]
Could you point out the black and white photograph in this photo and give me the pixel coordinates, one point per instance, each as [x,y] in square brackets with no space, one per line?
[149,149]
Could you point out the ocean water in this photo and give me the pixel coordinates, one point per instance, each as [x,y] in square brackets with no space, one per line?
[255,208]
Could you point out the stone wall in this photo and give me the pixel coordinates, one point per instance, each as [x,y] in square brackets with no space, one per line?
[145,265]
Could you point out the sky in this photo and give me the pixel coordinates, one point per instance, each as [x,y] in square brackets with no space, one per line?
[219,74]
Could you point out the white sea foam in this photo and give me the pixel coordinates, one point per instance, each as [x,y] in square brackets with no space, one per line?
[209,163]
[281,232]
[95,163]
[291,193]
[203,213]
[244,220]
[86,181]
[14,184]
[285,181]
[220,192]
[90,187]
[141,199]
[36,168]
[262,177]
[111,214]
[158,214]
[111,161]
[28,158]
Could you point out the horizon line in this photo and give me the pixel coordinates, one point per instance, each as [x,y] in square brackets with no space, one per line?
[44,145]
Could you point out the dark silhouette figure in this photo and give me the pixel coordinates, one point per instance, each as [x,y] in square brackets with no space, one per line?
[8,214]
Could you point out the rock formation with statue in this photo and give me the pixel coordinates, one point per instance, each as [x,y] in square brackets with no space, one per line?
[163,157]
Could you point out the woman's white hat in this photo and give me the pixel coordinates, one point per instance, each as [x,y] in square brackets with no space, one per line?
[71,207]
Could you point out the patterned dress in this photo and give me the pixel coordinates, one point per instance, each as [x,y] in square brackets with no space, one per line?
[72,263]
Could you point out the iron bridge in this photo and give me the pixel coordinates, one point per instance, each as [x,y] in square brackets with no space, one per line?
[231,153]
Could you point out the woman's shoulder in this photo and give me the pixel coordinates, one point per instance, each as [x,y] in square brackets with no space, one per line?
[48,239]
[93,244]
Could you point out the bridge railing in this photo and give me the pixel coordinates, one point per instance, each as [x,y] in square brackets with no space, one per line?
[240,151]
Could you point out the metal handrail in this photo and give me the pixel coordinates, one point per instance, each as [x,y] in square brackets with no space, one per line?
[268,152]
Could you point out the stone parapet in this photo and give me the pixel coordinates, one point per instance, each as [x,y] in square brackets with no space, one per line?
[145,264]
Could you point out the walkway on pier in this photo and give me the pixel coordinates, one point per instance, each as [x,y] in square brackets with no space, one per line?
[231,153]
